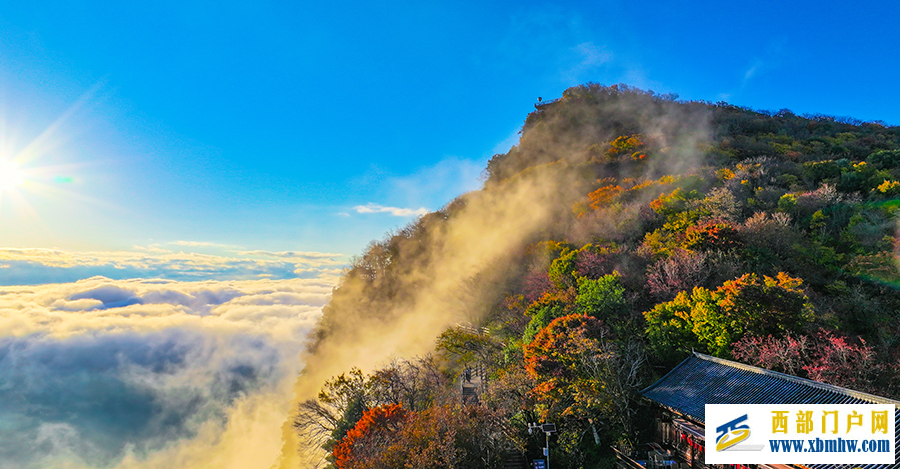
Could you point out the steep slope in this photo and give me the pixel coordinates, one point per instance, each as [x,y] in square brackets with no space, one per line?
[649,193]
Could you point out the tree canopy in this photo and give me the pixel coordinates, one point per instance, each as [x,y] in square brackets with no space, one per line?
[625,229]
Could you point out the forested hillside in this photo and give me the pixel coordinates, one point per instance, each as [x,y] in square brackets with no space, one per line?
[624,230]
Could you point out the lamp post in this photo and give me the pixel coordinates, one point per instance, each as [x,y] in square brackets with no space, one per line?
[547,428]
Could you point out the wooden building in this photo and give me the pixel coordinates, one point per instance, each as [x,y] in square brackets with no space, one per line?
[681,396]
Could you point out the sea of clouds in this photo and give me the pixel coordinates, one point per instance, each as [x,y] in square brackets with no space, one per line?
[180,260]
[153,372]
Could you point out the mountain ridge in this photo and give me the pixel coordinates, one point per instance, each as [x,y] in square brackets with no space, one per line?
[671,225]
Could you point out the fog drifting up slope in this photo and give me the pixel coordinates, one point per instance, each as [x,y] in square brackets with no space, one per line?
[451,266]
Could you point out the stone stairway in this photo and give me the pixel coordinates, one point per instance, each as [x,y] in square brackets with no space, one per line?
[514,460]
[471,387]
[469,393]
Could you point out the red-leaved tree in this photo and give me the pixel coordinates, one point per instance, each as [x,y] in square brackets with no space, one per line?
[825,357]
[363,445]
[581,371]
[450,435]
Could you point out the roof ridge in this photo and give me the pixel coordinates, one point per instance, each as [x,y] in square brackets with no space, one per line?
[796,379]
[660,380]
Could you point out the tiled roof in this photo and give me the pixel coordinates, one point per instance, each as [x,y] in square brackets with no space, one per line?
[702,379]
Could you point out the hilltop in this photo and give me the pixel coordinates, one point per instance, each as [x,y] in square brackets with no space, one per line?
[624,230]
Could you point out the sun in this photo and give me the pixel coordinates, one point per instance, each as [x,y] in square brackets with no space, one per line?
[10,175]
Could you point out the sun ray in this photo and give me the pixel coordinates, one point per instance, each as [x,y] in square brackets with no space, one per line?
[30,188]
[10,175]
[45,142]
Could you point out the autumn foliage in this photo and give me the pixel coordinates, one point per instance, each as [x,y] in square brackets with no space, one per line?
[371,435]
[446,435]
[761,236]
[712,235]
[713,320]
[824,356]
[557,349]
[604,195]
[631,145]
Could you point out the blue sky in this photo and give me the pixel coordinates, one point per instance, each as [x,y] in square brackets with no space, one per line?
[237,126]
[181,183]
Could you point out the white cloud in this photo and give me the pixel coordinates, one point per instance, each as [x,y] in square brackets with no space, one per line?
[145,373]
[199,244]
[324,257]
[589,57]
[395,211]
[428,186]
[138,305]
[334,272]
[34,266]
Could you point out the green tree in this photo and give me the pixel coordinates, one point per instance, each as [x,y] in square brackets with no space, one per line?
[469,346]
[341,403]
[884,159]
[716,319]
[562,270]
[602,298]
[670,327]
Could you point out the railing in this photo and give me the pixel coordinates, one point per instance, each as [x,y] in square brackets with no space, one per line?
[623,461]
[541,104]
[472,329]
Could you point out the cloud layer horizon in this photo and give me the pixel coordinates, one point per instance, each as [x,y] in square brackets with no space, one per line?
[145,373]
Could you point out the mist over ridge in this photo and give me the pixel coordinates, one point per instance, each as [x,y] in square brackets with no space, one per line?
[456,264]
[593,177]
[182,187]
